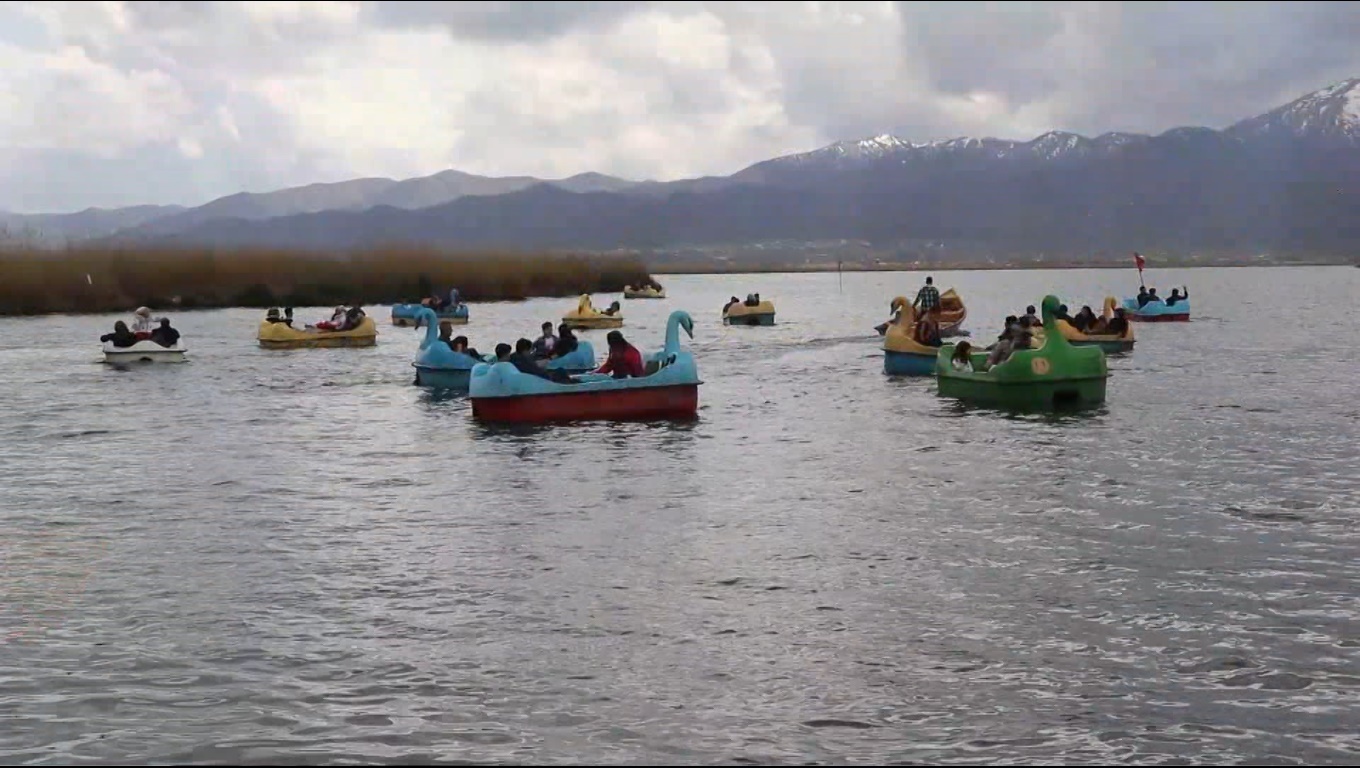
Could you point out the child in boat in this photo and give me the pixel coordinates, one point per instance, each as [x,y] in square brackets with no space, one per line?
[961,361]
[624,360]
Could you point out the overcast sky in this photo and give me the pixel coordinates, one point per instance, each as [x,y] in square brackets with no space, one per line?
[120,103]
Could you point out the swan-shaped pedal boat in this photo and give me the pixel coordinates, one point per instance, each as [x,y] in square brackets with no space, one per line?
[1158,311]
[1055,375]
[282,336]
[952,314]
[1110,343]
[902,354]
[588,317]
[438,366]
[145,351]
[500,393]
[406,315]
[741,313]
[644,292]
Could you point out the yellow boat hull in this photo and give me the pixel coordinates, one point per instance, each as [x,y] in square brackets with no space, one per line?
[593,322]
[280,336]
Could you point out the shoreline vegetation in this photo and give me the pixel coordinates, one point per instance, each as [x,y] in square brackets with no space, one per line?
[96,280]
[709,268]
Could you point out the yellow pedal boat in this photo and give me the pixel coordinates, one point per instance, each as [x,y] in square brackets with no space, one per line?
[645,292]
[281,336]
[588,317]
[741,313]
[1110,342]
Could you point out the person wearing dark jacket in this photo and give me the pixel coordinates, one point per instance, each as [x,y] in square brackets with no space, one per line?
[566,341]
[165,335]
[524,362]
[122,336]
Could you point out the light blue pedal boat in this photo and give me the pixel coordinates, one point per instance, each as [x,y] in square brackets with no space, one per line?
[438,366]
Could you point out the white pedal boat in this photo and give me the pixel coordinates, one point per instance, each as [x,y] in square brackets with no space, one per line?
[145,352]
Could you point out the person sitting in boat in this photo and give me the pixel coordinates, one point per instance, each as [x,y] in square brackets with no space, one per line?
[1061,314]
[142,323]
[1176,296]
[730,302]
[272,315]
[927,330]
[928,297]
[164,335]
[566,341]
[336,323]
[455,299]
[613,309]
[545,344]
[446,332]
[1151,296]
[1084,318]
[962,360]
[353,316]
[624,360]
[503,352]
[524,362]
[121,336]
[1030,319]
[460,344]
[1003,349]
[1119,324]
[1142,296]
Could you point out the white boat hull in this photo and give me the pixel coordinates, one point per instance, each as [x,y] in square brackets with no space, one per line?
[144,352]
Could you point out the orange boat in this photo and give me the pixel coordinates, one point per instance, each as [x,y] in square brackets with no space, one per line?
[952,313]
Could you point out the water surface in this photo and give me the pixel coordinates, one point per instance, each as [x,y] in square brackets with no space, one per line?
[297,556]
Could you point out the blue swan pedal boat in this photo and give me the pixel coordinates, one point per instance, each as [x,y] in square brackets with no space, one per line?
[405,315]
[438,366]
[669,391]
[1158,311]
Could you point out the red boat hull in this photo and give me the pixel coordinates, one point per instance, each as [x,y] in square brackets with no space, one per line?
[659,403]
[1185,318]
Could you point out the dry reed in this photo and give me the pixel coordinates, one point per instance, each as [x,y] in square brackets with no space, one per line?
[34,281]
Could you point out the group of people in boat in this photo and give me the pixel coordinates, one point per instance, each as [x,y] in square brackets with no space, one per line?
[531,357]
[443,303]
[1149,295]
[1091,324]
[144,328]
[342,319]
[752,300]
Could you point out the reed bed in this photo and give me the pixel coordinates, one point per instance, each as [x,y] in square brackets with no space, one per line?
[34,281]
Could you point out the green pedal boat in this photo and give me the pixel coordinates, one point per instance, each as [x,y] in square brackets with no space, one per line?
[1054,376]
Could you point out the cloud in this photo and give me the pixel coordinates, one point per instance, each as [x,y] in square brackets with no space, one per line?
[117,103]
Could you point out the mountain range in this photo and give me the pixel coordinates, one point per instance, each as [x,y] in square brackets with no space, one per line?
[1287,180]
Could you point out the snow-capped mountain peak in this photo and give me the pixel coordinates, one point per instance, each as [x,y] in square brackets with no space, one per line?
[1330,113]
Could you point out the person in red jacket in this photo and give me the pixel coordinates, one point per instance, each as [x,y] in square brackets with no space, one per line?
[624,360]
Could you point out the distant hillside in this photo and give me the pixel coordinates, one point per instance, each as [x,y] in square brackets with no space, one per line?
[1286,180]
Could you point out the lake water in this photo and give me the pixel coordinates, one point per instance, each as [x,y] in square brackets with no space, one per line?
[298,557]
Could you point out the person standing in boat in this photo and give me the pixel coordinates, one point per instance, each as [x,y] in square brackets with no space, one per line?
[928,297]
[624,360]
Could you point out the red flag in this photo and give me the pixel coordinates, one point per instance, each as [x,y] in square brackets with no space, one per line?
[1138,260]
